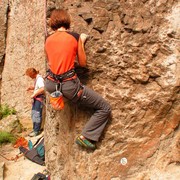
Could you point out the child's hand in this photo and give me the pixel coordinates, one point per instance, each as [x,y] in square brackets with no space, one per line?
[30,88]
[32,96]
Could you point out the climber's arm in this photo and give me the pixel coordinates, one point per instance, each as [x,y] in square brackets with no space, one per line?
[81,50]
[38,92]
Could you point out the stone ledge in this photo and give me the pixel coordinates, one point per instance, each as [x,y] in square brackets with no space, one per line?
[1,170]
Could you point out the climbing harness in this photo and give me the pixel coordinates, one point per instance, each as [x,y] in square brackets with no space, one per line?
[39,97]
[56,98]
[62,77]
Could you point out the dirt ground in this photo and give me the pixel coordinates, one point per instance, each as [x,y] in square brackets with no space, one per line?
[22,169]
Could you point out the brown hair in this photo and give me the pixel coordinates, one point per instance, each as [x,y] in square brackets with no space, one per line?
[59,18]
[31,72]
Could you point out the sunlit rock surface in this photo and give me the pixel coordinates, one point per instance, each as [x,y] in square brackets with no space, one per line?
[133,62]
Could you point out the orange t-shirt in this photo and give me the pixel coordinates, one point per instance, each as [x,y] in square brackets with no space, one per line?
[61,49]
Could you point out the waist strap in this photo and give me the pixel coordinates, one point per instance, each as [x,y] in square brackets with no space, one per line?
[39,97]
[61,77]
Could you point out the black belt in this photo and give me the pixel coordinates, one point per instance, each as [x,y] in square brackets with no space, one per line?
[61,77]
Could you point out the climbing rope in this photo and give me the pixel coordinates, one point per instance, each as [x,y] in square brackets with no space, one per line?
[13,158]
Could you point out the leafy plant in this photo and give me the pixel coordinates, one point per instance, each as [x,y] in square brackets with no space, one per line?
[6,137]
[5,111]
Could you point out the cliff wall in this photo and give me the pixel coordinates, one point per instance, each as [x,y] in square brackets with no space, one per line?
[24,48]
[133,62]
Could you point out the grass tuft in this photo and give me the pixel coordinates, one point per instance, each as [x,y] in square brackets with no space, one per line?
[5,111]
[6,137]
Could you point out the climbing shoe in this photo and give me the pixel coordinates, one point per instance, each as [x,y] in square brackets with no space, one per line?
[85,143]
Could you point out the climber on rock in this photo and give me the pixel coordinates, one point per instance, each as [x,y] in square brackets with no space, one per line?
[61,49]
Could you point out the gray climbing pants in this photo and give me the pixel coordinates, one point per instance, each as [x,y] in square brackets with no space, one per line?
[89,98]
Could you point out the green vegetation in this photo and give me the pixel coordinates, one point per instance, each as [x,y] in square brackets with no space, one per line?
[6,137]
[5,111]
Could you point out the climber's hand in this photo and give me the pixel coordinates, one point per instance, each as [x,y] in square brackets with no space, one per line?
[84,37]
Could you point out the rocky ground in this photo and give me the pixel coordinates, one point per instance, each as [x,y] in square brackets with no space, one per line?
[22,169]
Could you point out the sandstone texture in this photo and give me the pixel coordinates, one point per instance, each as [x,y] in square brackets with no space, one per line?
[133,62]
[3,29]
[24,49]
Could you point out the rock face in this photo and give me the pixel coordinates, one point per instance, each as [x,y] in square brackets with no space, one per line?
[133,62]
[24,49]
[3,29]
